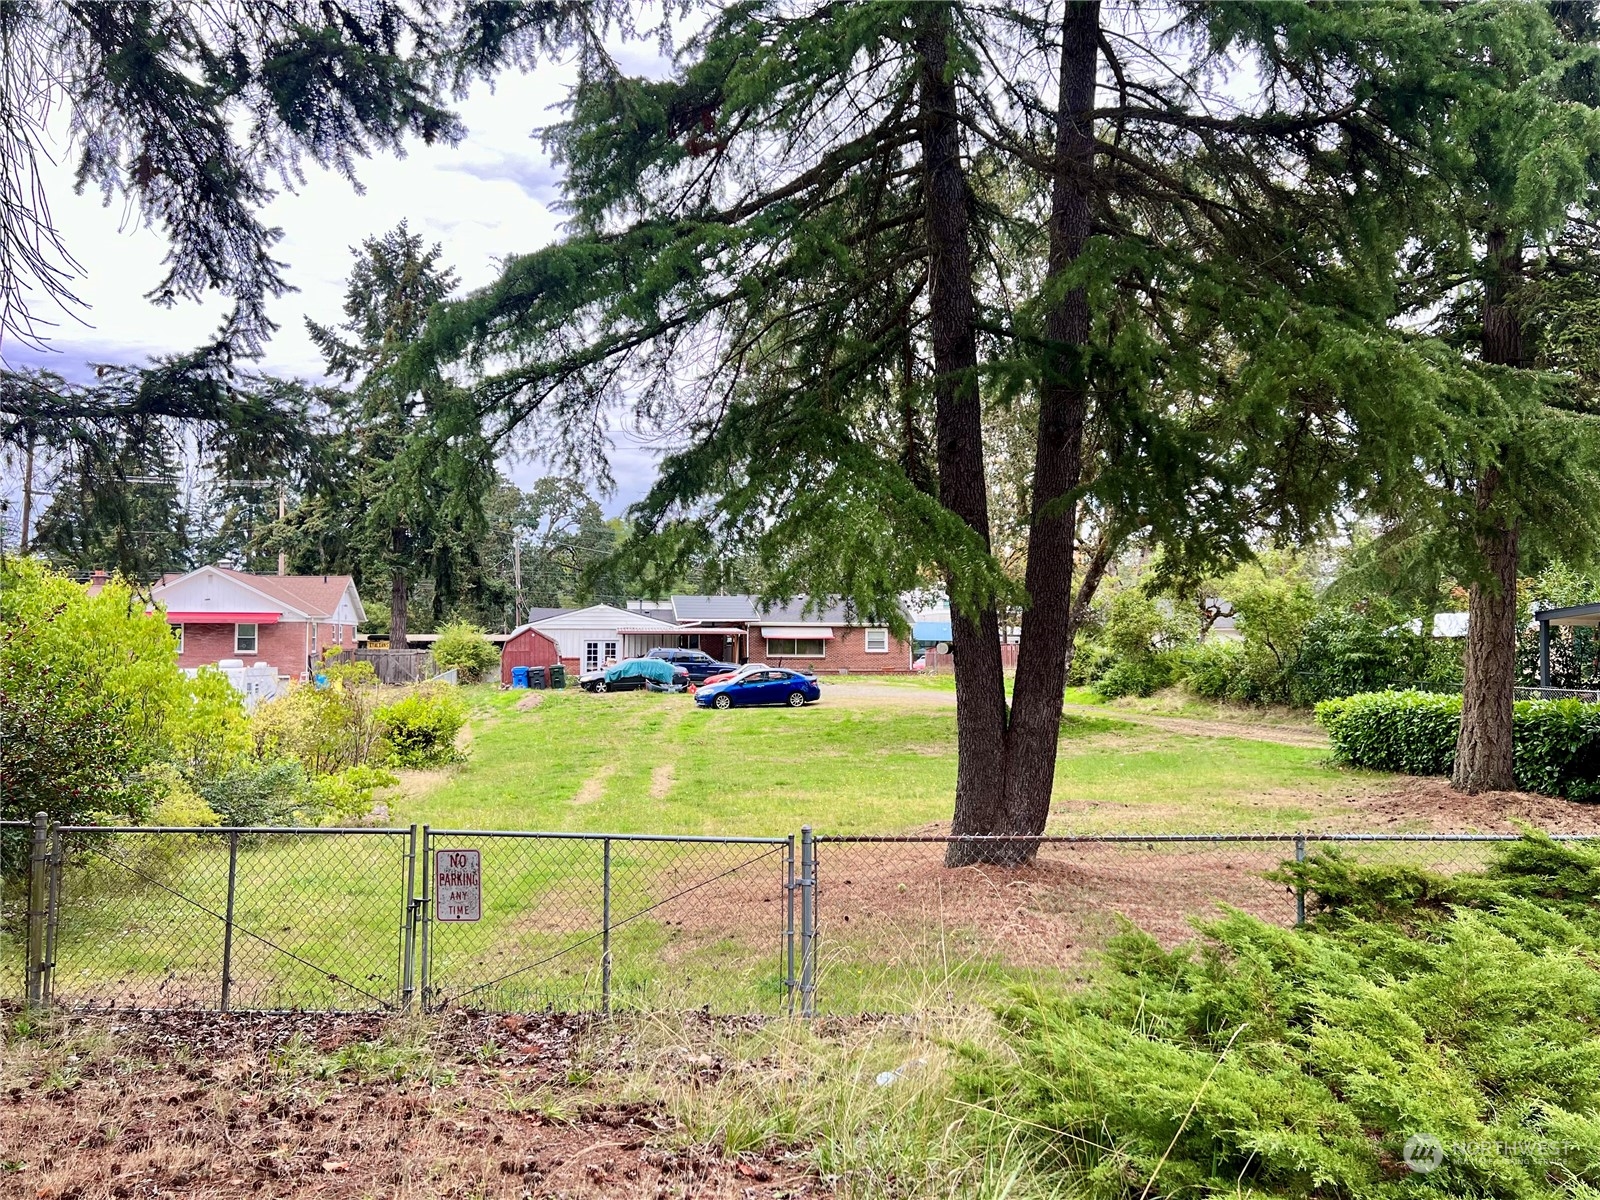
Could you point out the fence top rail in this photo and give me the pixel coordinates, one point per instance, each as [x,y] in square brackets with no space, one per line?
[280,830]
[1067,838]
[436,834]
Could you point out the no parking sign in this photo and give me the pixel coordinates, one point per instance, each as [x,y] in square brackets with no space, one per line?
[457,885]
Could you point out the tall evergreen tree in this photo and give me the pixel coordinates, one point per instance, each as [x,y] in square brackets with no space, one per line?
[789,249]
[400,498]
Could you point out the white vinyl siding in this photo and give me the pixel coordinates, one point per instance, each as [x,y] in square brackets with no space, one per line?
[877,641]
[797,648]
[244,639]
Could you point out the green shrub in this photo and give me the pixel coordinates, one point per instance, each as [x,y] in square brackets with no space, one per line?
[1297,1064]
[273,791]
[326,728]
[1212,668]
[350,794]
[465,648]
[1141,676]
[1556,743]
[419,730]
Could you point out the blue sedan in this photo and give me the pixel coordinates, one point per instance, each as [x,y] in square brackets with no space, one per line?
[771,686]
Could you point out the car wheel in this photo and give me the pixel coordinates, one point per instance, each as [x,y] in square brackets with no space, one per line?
[600,686]
[723,701]
[797,699]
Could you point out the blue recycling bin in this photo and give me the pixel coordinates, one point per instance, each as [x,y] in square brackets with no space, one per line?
[519,677]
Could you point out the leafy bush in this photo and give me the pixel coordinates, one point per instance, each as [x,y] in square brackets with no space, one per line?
[1556,743]
[273,791]
[419,730]
[1140,676]
[1296,1064]
[1211,669]
[326,728]
[91,697]
[351,793]
[465,648]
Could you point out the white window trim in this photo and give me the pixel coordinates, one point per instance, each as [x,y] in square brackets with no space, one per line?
[796,641]
[255,638]
[179,628]
[866,640]
[591,663]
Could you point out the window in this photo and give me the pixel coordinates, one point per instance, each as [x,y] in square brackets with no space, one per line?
[177,632]
[796,647]
[611,652]
[244,639]
[877,641]
[338,633]
[591,656]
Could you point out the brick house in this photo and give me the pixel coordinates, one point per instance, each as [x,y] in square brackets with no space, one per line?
[287,621]
[827,638]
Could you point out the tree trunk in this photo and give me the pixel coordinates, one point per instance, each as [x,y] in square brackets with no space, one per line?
[958,423]
[399,594]
[1484,760]
[1058,458]
[1483,748]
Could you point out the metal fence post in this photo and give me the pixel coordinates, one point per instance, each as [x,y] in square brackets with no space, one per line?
[227,921]
[47,983]
[808,923]
[425,908]
[38,901]
[408,926]
[789,983]
[605,927]
[1299,888]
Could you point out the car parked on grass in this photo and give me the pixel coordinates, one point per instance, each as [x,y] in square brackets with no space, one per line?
[770,685]
[634,674]
[698,663]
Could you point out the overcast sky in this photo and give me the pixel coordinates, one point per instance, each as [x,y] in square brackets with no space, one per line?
[493,195]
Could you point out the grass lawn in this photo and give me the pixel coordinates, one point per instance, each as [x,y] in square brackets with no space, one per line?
[856,763]
[318,919]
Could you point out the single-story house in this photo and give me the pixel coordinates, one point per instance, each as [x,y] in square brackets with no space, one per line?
[588,638]
[287,621]
[824,637]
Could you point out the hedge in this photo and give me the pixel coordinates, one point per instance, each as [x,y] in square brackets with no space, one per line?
[1556,743]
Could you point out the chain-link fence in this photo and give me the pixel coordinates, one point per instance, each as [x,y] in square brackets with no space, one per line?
[331,919]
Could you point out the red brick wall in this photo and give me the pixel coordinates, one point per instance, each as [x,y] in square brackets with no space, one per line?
[845,652]
[283,645]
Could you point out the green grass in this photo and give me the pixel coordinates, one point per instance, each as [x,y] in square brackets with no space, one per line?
[319,919]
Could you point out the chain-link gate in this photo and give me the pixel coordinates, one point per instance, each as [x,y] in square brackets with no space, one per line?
[597,921]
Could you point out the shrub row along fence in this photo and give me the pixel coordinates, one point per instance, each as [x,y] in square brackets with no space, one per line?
[428,919]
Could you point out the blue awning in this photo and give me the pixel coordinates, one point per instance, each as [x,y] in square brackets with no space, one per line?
[930,631]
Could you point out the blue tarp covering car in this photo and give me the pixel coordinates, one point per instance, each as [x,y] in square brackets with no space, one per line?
[635,673]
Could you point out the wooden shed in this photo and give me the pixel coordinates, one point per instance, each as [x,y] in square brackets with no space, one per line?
[526,647]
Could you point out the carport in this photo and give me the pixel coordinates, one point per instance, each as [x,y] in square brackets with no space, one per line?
[1581,614]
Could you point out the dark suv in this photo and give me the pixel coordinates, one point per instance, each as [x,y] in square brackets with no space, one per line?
[698,663]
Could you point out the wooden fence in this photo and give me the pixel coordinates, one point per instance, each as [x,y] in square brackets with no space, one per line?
[399,666]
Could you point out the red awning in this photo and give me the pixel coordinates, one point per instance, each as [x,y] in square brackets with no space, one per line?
[223,618]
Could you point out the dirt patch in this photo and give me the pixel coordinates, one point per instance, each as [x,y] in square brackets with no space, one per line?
[221,1106]
[530,701]
[661,779]
[594,787]
[1432,805]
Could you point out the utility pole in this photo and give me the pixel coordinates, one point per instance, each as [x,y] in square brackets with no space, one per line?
[516,576]
[27,499]
[283,511]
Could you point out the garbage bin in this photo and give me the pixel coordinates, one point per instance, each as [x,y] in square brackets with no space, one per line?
[536,677]
[558,676]
[519,677]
